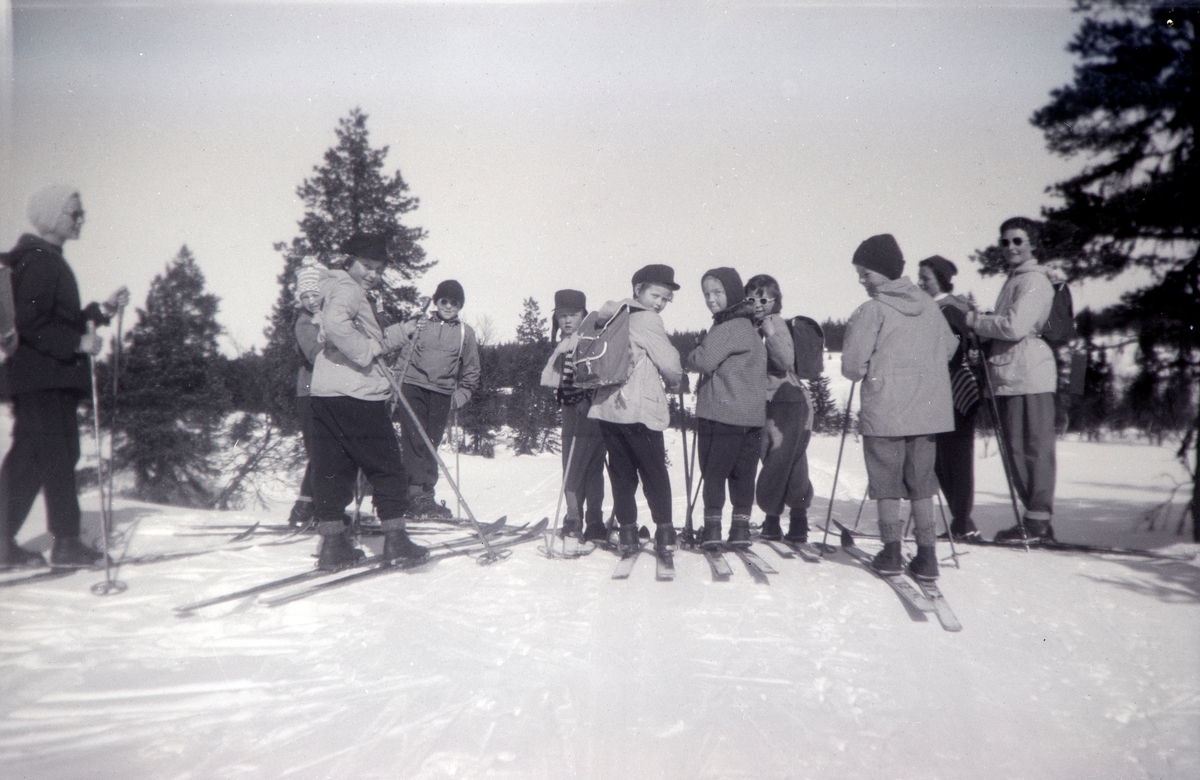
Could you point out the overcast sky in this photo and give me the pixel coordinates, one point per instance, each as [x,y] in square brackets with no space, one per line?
[552,145]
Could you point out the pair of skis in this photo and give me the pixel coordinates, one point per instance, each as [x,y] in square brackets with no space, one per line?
[928,598]
[718,564]
[368,567]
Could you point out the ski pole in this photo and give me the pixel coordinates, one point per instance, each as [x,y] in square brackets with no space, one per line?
[1002,446]
[689,529]
[490,556]
[561,493]
[116,386]
[949,533]
[837,469]
[109,585]
[457,458]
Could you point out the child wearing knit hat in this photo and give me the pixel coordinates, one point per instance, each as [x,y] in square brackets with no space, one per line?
[442,375]
[898,345]
[306,328]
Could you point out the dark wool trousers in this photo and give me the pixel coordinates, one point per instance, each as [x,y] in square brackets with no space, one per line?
[45,449]
[955,465]
[351,434]
[304,412]
[432,410]
[1028,424]
[783,478]
[584,481]
[636,451]
[728,453]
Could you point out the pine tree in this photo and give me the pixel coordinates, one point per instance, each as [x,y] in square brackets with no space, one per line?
[349,193]
[825,412]
[173,399]
[532,410]
[1130,117]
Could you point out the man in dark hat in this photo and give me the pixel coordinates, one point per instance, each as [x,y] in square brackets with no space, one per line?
[442,374]
[47,375]
[897,344]
[634,415]
[582,442]
[351,427]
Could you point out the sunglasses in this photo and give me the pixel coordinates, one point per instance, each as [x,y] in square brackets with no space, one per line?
[1004,242]
[761,301]
[445,302]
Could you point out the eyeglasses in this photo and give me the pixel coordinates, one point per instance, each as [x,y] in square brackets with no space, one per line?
[1015,242]
[761,301]
[446,302]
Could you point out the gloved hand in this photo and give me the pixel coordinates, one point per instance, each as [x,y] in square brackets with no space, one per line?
[685,384]
[459,398]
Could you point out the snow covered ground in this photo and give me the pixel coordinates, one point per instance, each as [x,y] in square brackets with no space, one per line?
[1069,665]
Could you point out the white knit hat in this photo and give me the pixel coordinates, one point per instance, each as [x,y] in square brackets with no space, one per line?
[308,278]
[47,205]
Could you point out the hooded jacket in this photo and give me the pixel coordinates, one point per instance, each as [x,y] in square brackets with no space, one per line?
[898,345]
[49,322]
[732,362]
[642,398]
[1019,361]
[350,340]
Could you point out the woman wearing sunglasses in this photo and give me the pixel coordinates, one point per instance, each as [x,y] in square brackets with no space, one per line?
[1024,377]
[783,479]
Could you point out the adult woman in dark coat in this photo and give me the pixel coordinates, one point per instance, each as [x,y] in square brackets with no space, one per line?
[955,463]
[46,377]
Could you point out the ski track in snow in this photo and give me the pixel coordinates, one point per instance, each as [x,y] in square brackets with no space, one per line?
[1069,666]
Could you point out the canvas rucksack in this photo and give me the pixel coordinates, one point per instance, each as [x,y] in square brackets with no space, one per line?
[602,357]
[1060,325]
[809,342]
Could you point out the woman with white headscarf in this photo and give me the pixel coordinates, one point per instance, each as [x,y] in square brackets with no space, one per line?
[46,377]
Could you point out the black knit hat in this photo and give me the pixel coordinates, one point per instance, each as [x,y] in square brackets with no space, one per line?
[943,269]
[731,280]
[369,246]
[569,300]
[656,274]
[881,254]
[452,290]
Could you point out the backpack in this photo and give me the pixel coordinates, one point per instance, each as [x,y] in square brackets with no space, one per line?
[1060,325]
[809,342]
[603,357]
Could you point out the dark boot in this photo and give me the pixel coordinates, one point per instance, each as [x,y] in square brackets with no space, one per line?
[739,531]
[572,526]
[70,553]
[711,535]
[302,512]
[627,538]
[13,556]
[797,529]
[423,505]
[964,530]
[337,551]
[397,546]
[889,561]
[595,532]
[664,538]
[1031,531]
[925,565]
[771,530]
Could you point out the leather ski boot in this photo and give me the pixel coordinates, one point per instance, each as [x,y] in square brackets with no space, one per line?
[337,551]
[595,532]
[664,538]
[711,535]
[889,560]
[925,565]
[1027,531]
[797,528]
[13,556]
[739,531]
[70,553]
[627,538]
[771,530]
[572,526]
[397,546]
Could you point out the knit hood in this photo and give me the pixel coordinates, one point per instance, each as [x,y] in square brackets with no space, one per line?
[903,296]
[27,243]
